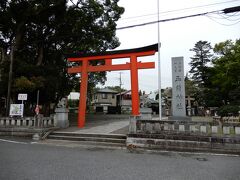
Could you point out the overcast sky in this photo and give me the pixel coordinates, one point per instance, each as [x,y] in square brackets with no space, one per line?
[176,37]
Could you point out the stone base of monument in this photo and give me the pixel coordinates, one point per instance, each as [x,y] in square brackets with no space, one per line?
[146,113]
[180,118]
[61,117]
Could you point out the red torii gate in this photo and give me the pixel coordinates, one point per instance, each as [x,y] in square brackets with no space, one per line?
[133,66]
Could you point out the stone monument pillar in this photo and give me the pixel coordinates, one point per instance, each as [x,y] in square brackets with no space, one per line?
[61,116]
[178,90]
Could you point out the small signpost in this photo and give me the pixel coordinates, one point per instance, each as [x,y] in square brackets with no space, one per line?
[17,109]
[22,97]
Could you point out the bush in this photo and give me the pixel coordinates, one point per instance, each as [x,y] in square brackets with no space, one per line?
[229,110]
[73,103]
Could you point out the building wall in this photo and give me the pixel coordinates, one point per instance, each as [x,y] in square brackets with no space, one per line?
[105,98]
[126,102]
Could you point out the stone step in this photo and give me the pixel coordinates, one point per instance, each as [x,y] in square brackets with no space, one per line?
[85,144]
[114,136]
[102,138]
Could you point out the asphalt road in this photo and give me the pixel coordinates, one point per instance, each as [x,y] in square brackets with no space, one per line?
[23,160]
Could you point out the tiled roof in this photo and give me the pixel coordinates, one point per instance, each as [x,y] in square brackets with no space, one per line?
[124,92]
[106,90]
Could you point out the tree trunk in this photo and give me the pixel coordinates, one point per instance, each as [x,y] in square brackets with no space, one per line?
[40,56]
[19,35]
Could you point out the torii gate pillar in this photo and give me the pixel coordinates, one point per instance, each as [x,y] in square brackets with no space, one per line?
[133,66]
[83,96]
[134,86]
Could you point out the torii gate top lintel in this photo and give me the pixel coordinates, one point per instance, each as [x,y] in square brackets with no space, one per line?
[79,56]
[107,56]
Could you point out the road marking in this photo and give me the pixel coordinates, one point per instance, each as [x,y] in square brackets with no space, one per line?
[9,141]
[33,142]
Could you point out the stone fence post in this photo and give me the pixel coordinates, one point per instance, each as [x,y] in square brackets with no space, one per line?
[61,117]
[133,124]
[146,113]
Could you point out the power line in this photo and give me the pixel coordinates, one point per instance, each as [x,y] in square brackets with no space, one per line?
[231,9]
[163,20]
[225,17]
[226,10]
[176,10]
[238,21]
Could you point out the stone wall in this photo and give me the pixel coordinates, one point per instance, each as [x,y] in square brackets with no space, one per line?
[216,136]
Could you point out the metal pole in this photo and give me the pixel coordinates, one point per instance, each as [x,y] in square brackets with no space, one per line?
[9,80]
[159,68]
[23,108]
[37,122]
[37,97]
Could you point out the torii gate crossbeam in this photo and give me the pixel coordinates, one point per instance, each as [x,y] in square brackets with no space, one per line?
[108,56]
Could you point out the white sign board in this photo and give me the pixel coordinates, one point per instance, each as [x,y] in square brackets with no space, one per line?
[16,110]
[22,97]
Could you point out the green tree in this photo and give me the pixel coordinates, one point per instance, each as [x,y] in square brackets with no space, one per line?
[202,56]
[190,86]
[200,70]
[116,88]
[41,32]
[226,71]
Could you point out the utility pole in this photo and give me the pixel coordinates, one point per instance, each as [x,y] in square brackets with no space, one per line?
[10,79]
[120,80]
[120,85]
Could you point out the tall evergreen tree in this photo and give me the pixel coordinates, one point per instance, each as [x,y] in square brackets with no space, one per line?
[199,69]
[202,56]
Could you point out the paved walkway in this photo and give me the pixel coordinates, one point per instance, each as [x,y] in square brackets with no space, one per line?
[107,128]
[104,124]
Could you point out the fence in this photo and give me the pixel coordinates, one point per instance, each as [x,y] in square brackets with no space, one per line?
[140,126]
[27,122]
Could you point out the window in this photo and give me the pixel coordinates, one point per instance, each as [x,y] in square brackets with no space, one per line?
[104,96]
[113,96]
